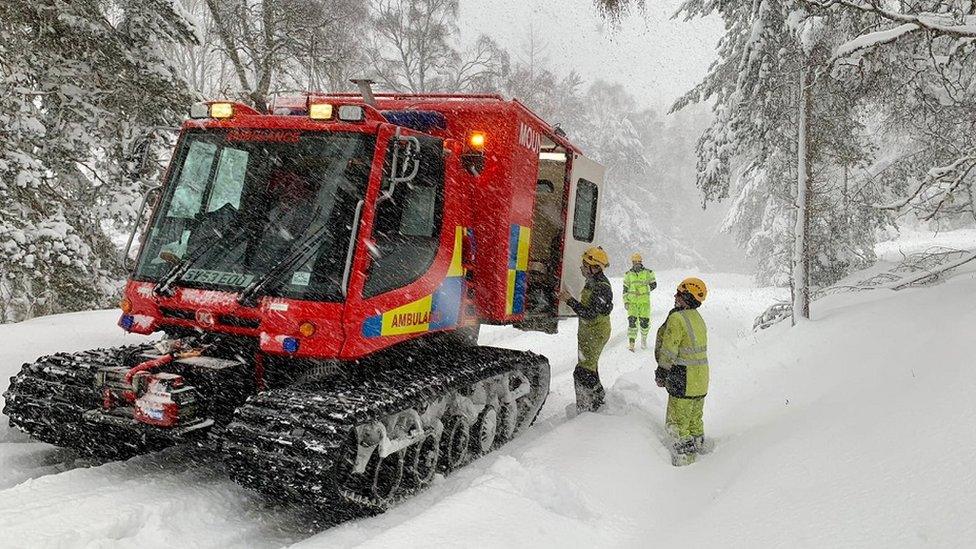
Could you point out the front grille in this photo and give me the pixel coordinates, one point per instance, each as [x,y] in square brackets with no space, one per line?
[182,314]
[239,321]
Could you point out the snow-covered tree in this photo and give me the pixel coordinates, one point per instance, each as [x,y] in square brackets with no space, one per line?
[287,45]
[80,82]
[637,216]
[926,103]
[414,49]
[202,64]
[642,151]
[784,138]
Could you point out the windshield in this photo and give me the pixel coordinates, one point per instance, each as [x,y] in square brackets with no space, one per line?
[244,198]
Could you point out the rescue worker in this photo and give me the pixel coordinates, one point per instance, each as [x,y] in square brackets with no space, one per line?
[638,283]
[593,308]
[682,368]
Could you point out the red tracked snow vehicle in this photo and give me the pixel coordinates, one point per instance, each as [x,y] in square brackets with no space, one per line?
[320,274]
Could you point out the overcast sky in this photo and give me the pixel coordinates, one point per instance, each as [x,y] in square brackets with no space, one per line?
[657,58]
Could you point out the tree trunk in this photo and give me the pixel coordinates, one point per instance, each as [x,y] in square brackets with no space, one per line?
[801,230]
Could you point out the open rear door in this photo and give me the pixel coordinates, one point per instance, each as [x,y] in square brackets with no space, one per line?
[582,215]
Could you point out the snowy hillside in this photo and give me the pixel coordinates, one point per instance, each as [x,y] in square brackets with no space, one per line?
[855,429]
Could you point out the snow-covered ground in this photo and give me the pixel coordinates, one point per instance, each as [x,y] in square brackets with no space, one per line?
[852,430]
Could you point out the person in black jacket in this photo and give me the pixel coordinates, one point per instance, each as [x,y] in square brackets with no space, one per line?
[593,308]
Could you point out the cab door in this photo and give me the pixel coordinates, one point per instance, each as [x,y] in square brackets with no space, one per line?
[585,196]
[407,277]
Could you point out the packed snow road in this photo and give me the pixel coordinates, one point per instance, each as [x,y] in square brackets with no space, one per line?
[854,429]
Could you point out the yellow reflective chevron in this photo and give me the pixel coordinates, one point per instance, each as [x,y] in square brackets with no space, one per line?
[457,268]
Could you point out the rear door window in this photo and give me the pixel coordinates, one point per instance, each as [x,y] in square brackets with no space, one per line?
[584,216]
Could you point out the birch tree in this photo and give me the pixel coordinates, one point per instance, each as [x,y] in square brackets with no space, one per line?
[287,45]
[414,49]
[926,103]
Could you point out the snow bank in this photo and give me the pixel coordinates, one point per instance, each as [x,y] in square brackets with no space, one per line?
[853,430]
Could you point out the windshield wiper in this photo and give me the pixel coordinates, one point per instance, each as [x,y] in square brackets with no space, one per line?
[298,253]
[227,240]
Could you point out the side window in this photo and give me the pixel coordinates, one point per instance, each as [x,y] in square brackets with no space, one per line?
[229,181]
[192,184]
[419,212]
[584,216]
[407,226]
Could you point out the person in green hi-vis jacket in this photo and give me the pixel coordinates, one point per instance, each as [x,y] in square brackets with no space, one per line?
[681,352]
[593,308]
[638,283]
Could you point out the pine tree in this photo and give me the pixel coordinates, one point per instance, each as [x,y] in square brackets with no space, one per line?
[79,83]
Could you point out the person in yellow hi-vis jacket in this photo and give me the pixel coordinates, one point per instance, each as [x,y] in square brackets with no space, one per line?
[681,352]
[593,308]
[638,283]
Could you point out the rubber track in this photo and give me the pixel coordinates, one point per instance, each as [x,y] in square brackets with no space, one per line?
[285,442]
[47,398]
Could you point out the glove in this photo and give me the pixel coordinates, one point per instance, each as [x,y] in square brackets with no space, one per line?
[660,374]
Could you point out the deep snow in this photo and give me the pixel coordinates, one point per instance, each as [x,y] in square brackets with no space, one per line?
[854,430]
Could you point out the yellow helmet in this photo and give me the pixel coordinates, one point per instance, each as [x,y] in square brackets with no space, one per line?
[694,286]
[636,258]
[594,255]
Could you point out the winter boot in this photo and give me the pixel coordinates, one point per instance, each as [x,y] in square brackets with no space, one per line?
[683,452]
[703,446]
[630,346]
[643,341]
[589,391]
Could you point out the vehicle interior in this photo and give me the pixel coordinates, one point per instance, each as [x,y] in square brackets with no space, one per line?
[545,248]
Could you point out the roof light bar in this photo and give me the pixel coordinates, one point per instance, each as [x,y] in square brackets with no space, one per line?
[199,110]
